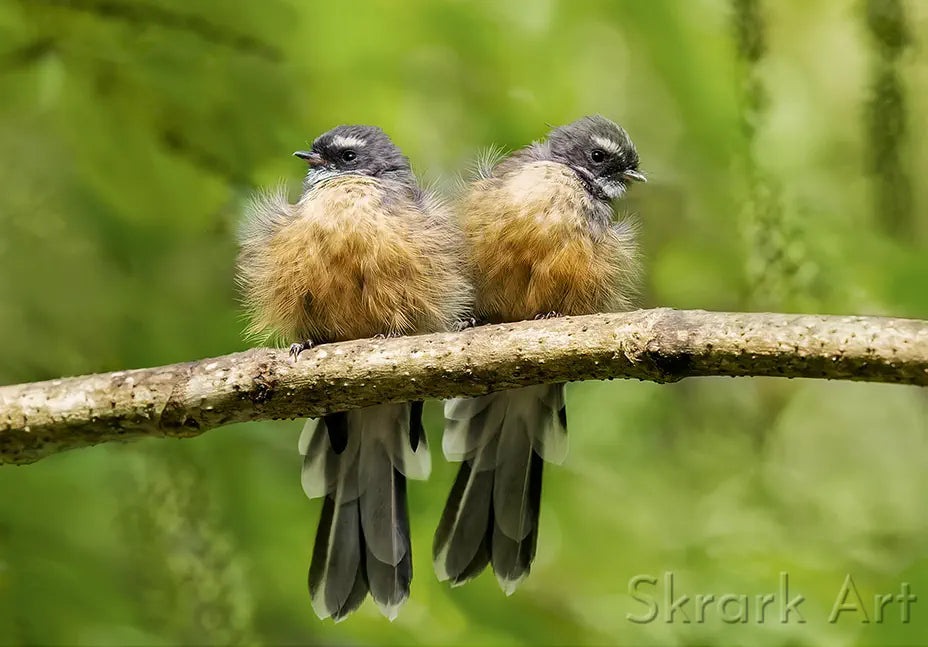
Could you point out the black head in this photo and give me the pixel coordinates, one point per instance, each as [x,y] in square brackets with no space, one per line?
[361,150]
[599,152]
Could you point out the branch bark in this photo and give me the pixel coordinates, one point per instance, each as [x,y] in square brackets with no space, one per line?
[662,345]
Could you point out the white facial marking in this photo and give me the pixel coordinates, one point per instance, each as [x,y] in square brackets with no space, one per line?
[611,188]
[340,141]
[606,144]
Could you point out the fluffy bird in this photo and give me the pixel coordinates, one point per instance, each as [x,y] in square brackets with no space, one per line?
[365,252]
[542,241]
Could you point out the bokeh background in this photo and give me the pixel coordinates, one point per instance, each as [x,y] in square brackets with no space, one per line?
[786,150]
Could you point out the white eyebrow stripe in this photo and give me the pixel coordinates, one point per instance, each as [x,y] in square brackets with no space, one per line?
[341,141]
[606,144]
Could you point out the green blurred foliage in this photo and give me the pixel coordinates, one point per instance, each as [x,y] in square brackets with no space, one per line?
[132,132]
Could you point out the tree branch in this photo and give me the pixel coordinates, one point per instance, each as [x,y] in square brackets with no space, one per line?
[663,345]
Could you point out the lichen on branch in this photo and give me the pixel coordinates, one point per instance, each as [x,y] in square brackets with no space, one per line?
[662,345]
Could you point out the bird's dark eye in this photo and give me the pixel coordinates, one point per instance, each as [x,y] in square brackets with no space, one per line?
[349,155]
[598,156]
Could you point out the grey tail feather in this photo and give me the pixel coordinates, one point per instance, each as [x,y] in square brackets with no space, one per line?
[492,512]
[363,541]
[342,595]
[337,576]
[389,582]
[511,558]
[416,430]
[461,549]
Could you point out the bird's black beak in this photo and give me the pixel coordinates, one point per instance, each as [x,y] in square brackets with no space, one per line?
[310,157]
[634,176]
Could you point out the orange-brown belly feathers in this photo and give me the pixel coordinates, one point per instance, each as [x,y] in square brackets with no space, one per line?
[532,248]
[346,263]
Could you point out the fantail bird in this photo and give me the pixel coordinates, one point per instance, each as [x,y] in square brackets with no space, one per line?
[364,252]
[542,240]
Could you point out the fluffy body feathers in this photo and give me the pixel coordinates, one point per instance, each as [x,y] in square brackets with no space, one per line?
[353,258]
[533,247]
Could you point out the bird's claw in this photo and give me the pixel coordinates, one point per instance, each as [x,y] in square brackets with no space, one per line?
[463,324]
[299,347]
[548,315]
[390,335]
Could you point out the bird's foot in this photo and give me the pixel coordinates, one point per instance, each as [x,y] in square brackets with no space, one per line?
[463,324]
[390,335]
[296,349]
[548,315]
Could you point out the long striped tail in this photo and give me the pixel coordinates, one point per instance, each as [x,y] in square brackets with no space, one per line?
[359,461]
[492,512]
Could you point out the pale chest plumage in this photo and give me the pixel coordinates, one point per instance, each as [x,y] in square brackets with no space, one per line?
[533,248]
[352,262]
